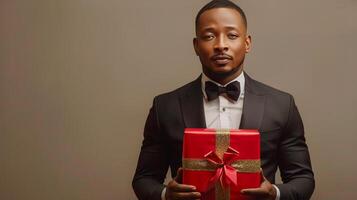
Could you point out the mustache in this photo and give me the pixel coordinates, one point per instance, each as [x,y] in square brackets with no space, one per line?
[221,56]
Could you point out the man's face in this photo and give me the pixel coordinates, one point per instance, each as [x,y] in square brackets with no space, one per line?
[221,42]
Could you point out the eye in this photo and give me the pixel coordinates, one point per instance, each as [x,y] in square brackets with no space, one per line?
[207,37]
[232,36]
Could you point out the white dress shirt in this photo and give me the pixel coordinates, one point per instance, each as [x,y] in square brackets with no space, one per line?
[223,112]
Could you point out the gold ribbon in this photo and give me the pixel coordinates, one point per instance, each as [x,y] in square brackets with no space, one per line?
[243,166]
[222,144]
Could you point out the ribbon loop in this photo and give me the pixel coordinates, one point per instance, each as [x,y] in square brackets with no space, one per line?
[225,173]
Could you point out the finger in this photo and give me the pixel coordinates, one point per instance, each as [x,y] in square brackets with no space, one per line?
[188,195]
[183,188]
[262,177]
[178,177]
[262,174]
[254,192]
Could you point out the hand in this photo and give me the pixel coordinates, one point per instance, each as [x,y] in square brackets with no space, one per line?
[265,191]
[177,191]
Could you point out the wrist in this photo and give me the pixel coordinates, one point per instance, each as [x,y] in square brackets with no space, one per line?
[273,194]
[163,194]
[276,193]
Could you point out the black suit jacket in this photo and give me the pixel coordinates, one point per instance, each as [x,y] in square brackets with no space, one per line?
[271,111]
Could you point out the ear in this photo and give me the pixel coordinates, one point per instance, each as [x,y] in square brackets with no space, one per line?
[248,43]
[195,45]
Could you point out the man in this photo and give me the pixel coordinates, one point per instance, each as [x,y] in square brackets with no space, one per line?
[224,97]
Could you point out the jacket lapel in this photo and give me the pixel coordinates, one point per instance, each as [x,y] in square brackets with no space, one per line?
[192,105]
[193,113]
[253,106]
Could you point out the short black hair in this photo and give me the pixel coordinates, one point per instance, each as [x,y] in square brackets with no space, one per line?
[221,4]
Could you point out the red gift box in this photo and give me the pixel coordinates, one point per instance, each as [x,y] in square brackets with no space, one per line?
[221,162]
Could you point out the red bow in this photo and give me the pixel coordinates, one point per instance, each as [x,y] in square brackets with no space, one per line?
[225,173]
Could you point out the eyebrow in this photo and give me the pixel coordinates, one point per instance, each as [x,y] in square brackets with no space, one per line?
[227,27]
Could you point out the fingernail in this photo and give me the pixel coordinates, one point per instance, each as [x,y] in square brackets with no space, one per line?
[194,188]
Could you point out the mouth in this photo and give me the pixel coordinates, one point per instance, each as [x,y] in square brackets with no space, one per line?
[221,59]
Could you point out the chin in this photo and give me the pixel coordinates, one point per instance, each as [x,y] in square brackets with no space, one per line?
[220,73]
[222,70]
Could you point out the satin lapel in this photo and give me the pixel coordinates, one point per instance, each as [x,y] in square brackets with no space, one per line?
[192,106]
[253,106]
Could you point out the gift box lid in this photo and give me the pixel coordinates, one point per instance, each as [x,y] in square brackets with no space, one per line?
[199,141]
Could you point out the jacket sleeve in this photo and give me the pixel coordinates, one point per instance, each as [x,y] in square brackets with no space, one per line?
[294,160]
[153,160]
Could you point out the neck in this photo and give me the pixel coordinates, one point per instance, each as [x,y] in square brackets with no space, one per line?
[223,79]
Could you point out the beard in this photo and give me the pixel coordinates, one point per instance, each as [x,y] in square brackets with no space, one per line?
[221,75]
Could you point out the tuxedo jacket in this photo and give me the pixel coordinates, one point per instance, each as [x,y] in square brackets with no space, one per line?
[269,110]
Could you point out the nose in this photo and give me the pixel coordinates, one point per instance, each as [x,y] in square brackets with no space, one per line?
[221,44]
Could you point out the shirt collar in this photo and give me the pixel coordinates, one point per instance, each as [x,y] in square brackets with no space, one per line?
[240,79]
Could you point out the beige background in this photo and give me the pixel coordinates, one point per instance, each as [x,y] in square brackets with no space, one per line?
[77,78]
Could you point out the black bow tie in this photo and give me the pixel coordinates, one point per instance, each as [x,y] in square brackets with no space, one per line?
[213,91]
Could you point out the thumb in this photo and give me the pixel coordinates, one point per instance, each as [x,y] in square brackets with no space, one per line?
[178,177]
[262,177]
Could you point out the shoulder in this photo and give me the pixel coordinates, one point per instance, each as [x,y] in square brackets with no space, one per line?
[260,88]
[279,105]
[174,95]
[278,102]
[168,106]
